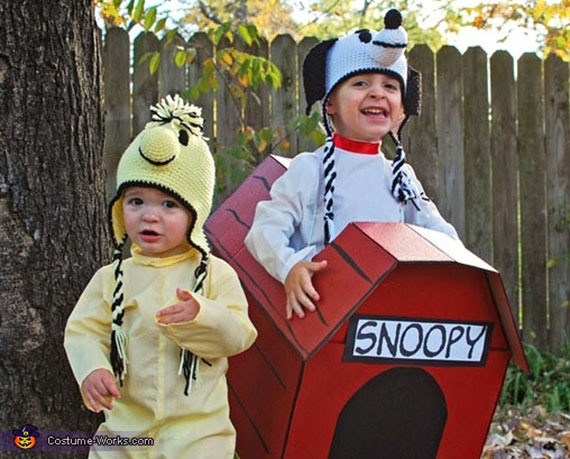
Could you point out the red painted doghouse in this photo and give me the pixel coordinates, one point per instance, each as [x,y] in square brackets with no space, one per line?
[405,357]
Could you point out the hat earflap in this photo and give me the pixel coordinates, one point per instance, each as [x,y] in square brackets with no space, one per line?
[413,97]
[118,336]
[189,362]
[314,72]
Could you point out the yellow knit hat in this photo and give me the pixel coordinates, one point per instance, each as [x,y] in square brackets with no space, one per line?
[170,155]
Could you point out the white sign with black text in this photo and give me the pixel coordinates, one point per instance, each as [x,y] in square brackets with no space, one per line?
[382,339]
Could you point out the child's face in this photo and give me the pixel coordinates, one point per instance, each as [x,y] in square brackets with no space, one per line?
[155,221]
[366,107]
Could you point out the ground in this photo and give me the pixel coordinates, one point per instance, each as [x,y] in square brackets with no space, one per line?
[532,433]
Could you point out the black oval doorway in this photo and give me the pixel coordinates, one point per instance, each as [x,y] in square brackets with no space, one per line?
[398,414]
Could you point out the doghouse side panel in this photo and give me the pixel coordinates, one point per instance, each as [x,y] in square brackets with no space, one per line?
[263,388]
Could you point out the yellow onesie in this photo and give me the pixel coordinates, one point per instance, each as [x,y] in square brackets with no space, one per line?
[152,402]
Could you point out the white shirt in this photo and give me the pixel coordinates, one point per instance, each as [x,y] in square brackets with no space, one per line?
[290,227]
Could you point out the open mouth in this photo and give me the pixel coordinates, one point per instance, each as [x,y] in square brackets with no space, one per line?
[149,235]
[375,111]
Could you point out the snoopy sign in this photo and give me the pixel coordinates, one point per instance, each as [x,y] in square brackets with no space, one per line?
[387,339]
[406,353]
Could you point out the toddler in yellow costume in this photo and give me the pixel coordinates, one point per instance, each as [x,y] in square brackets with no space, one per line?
[149,338]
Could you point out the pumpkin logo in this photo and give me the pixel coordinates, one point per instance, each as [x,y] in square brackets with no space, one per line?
[26,438]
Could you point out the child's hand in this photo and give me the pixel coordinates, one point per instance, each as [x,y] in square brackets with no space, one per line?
[183,311]
[99,385]
[299,289]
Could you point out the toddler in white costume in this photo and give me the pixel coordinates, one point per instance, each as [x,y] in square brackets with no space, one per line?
[367,91]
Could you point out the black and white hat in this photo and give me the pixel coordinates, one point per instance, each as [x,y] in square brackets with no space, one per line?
[333,61]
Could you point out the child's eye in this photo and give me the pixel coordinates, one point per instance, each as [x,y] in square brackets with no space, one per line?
[135,201]
[170,204]
[359,83]
[392,86]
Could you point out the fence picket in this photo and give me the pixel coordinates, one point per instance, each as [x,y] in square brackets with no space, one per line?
[303,48]
[257,108]
[450,137]
[420,136]
[504,174]
[478,214]
[171,78]
[532,198]
[117,101]
[145,85]
[283,52]
[204,50]
[558,198]
[228,115]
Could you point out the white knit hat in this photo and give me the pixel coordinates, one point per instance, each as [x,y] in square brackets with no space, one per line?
[333,61]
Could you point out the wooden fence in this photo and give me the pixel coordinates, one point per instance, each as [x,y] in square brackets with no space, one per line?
[492,150]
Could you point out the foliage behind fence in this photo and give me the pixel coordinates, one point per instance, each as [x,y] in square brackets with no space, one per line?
[492,151]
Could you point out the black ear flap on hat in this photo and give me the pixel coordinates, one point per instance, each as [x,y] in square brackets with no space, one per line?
[314,68]
[413,99]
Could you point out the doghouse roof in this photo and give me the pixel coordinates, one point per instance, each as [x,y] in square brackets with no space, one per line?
[369,250]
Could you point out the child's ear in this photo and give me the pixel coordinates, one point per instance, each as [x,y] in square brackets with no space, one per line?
[331,110]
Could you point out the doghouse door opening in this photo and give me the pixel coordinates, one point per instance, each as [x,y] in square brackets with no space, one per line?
[400,413]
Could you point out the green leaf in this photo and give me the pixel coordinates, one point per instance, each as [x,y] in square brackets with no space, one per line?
[214,83]
[244,33]
[170,35]
[242,138]
[130,7]
[160,25]
[220,32]
[137,15]
[117,3]
[253,33]
[180,58]
[266,134]
[244,67]
[149,18]
[146,56]
[195,92]
[154,63]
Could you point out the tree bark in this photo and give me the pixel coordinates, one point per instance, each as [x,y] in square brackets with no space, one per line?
[52,202]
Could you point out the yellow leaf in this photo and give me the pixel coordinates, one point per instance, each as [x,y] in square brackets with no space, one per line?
[551,263]
[539,9]
[550,11]
[227,58]
[285,146]
[262,145]
[525,425]
[190,55]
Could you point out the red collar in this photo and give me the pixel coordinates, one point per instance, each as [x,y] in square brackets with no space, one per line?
[356,146]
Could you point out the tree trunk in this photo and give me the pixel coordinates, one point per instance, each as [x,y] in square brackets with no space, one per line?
[52,202]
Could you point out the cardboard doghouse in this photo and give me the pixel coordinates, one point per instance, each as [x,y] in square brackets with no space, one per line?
[405,357]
